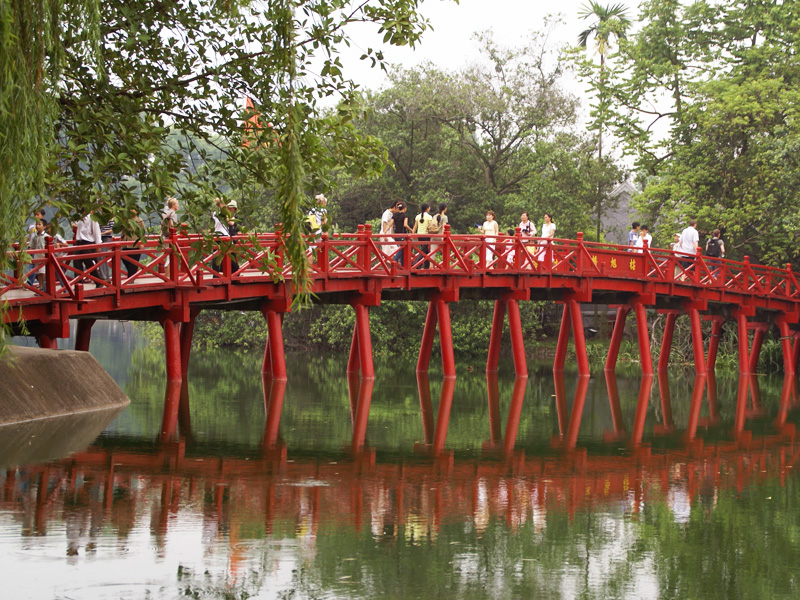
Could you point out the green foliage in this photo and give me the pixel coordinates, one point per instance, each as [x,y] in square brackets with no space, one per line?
[499,136]
[110,103]
[704,96]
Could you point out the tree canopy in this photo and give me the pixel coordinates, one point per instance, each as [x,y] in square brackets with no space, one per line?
[704,96]
[92,94]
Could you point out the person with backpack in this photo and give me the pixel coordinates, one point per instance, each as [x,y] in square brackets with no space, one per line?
[715,247]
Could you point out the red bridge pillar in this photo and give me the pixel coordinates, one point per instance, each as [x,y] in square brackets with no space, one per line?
[666,341]
[616,337]
[361,346]
[511,303]
[438,313]
[571,318]
[83,336]
[693,310]
[274,364]
[172,348]
[713,342]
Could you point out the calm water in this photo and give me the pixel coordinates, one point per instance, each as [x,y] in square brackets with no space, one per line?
[211,499]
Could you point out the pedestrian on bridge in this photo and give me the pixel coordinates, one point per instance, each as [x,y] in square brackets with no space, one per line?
[490,230]
[633,236]
[387,226]
[548,233]
[437,228]
[87,232]
[687,248]
[400,228]
[421,224]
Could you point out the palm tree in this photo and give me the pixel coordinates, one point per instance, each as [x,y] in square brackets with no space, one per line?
[609,21]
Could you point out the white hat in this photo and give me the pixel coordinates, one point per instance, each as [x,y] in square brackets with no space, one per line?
[320,198]
[232,204]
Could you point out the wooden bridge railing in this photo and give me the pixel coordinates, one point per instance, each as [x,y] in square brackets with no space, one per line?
[260,257]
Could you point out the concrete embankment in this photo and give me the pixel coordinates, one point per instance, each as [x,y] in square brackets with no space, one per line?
[37,384]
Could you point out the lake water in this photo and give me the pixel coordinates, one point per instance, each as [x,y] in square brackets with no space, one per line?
[501,496]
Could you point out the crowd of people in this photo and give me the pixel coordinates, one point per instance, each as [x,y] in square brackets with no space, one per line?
[395,225]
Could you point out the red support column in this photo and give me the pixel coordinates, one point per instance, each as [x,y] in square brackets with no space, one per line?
[364,342]
[697,403]
[666,342]
[353,364]
[495,341]
[616,337]
[713,344]
[697,341]
[276,353]
[642,403]
[172,346]
[428,333]
[169,421]
[644,338]
[668,424]
[577,411]
[425,406]
[47,342]
[83,335]
[187,332]
[514,413]
[744,354]
[446,339]
[578,337]
[443,417]
[795,351]
[517,341]
[755,349]
[362,412]
[613,401]
[274,393]
[563,340]
[741,403]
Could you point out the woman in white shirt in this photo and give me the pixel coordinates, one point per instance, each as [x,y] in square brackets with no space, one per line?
[490,229]
[548,233]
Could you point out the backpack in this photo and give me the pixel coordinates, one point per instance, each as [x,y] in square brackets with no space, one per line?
[435,226]
[712,248]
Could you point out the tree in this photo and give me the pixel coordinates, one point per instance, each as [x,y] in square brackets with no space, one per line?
[103,89]
[610,22]
[705,98]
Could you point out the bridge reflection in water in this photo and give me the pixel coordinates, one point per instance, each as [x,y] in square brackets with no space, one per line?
[123,494]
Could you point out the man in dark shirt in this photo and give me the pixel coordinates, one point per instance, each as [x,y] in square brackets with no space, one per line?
[400,227]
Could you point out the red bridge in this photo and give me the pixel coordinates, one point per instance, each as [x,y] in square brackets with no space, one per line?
[175,280]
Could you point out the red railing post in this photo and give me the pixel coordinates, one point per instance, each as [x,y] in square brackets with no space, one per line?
[580,249]
[446,249]
[116,268]
[50,268]
[365,232]
[323,263]
[174,261]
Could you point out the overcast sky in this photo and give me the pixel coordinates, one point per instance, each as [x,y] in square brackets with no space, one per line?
[450,45]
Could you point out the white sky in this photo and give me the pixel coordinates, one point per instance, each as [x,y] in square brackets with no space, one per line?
[450,45]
